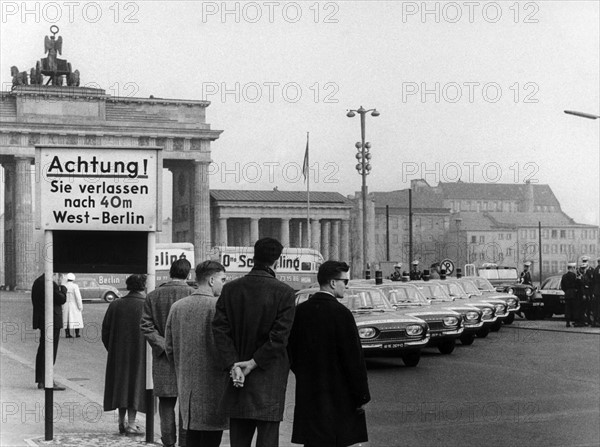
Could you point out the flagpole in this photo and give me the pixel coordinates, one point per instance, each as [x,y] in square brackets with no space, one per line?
[307,164]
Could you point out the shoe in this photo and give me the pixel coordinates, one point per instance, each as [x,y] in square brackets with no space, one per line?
[122,429]
[40,385]
[56,387]
[568,324]
[68,336]
[133,431]
[78,336]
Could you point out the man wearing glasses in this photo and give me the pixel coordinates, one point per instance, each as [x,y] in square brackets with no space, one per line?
[327,360]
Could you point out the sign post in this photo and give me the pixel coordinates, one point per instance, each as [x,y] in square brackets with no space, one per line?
[87,197]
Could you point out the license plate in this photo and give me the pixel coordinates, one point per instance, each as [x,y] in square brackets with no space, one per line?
[537,304]
[435,334]
[393,346]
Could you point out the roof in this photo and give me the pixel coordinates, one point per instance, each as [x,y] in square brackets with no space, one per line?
[542,194]
[424,199]
[238,195]
[474,221]
[558,219]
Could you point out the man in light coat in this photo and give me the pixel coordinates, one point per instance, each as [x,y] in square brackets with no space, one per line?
[252,323]
[190,346]
[154,318]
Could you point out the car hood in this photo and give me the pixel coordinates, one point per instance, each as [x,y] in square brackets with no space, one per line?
[390,317]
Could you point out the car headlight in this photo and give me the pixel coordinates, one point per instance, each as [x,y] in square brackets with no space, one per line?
[367,332]
[511,302]
[471,316]
[528,292]
[487,313]
[414,329]
[499,308]
[510,290]
[450,321]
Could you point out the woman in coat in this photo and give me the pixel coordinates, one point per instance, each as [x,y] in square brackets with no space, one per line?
[125,383]
[72,316]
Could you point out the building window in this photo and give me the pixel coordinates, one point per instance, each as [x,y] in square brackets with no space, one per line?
[395,223]
[545,249]
[583,234]
[545,233]
[492,206]
[532,234]
[592,248]
[554,266]
[485,206]
[509,237]
[473,239]
[563,248]
[395,239]
[482,239]
[553,248]
[523,234]
[563,266]
[563,234]
[554,234]
[509,252]
[583,248]
[500,236]
[571,234]
[481,256]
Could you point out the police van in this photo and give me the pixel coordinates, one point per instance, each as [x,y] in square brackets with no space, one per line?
[297,267]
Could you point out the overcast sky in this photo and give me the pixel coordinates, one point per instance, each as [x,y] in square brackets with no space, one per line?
[475,87]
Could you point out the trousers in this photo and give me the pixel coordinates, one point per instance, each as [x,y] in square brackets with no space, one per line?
[241,432]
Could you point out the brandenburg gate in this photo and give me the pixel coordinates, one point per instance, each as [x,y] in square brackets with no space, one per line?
[37,113]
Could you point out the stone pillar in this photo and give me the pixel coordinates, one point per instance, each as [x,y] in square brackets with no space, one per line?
[315,231]
[253,231]
[334,252]
[201,215]
[325,240]
[285,232]
[345,241]
[222,239]
[26,253]
[305,243]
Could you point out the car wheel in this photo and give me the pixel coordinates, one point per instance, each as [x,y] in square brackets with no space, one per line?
[411,358]
[446,347]
[496,326]
[510,318]
[467,339]
[531,314]
[483,332]
[110,297]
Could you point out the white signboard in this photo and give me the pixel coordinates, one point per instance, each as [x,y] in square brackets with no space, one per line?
[167,254]
[98,188]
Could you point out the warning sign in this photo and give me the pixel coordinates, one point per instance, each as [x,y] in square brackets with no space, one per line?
[99,188]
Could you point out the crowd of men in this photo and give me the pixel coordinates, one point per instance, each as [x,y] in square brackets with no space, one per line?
[582,294]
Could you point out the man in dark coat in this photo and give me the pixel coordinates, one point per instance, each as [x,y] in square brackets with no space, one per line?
[571,285]
[125,381]
[415,273]
[154,319]
[190,345]
[327,360]
[59,297]
[596,294]
[525,277]
[253,318]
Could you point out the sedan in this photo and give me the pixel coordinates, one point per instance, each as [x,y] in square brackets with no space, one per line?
[381,329]
[553,296]
[92,291]
[482,288]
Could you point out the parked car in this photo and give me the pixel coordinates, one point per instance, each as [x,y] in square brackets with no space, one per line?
[438,296]
[445,325]
[506,279]
[381,329]
[474,284]
[553,297]
[456,290]
[91,290]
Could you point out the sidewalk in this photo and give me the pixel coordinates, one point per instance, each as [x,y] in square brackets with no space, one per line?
[78,416]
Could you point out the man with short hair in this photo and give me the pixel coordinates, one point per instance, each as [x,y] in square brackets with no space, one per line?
[156,310]
[397,274]
[415,273]
[525,277]
[190,345]
[252,323]
[327,359]
[587,283]
[435,271]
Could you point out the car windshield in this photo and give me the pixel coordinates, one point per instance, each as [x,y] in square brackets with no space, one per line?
[552,283]
[470,287]
[87,283]
[483,284]
[454,289]
[404,295]
[510,274]
[499,273]
[357,299]
[435,292]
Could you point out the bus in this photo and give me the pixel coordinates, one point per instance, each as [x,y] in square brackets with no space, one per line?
[297,267]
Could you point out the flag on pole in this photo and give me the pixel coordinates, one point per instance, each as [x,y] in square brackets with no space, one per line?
[305,172]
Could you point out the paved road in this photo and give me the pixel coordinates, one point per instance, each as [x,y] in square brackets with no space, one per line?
[531,384]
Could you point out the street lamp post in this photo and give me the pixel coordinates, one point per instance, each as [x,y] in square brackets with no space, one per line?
[364,168]
[582,114]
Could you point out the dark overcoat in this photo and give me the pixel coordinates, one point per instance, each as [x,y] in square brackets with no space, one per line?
[253,319]
[153,322]
[59,297]
[571,285]
[201,380]
[125,382]
[331,376]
